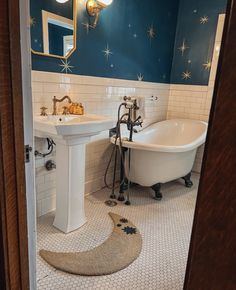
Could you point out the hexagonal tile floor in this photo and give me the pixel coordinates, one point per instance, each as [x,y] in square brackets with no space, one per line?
[165,227]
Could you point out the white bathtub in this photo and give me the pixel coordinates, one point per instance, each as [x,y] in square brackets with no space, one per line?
[164,151]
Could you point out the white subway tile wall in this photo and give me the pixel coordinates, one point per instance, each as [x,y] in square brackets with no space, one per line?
[99,96]
[188,102]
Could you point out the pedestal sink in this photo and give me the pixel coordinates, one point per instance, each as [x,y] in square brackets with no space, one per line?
[71,133]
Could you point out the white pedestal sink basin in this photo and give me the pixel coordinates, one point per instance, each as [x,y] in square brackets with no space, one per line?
[71,133]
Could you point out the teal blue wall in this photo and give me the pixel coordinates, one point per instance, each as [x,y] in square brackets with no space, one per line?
[123,26]
[199,38]
[55,35]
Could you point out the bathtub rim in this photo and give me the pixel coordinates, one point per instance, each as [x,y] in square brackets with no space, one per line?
[166,148]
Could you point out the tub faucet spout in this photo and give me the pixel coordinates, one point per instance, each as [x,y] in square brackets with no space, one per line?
[131,124]
[137,123]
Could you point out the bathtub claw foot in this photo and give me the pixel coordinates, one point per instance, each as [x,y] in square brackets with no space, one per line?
[188,181]
[158,194]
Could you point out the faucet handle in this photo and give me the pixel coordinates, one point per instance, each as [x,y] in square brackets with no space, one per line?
[140,121]
[43,111]
[65,110]
[152,98]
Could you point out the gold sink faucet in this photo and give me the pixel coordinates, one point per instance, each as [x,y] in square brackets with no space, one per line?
[55,101]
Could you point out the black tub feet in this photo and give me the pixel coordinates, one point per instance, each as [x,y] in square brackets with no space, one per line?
[188,181]
[157,189]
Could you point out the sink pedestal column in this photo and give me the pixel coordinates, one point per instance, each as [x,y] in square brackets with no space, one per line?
[70,179]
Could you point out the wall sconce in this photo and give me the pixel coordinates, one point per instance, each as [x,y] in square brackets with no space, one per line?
[94,7]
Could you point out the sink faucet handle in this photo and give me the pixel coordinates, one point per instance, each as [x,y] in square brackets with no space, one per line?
[43,111]
[65,110]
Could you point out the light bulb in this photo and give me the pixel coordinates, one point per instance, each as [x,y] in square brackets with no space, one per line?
[62,1]
[105,2]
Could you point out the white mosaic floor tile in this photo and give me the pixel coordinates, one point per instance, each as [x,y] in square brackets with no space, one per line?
[164,225]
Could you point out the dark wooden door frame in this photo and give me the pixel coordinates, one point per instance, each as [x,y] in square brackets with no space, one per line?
[13,222]
[212,255]
[212,260]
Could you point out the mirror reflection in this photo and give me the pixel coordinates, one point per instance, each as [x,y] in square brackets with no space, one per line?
[53,29]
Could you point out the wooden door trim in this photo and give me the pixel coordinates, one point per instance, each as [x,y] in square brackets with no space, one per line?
[13,227]
[212,255]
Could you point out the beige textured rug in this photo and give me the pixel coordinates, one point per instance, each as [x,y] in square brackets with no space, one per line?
[116,253]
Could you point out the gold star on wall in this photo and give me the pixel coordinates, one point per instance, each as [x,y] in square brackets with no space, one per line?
[183,47]
[186,75]
[207,65]
[32,21]
[140,77]
[151,32]
[204,19]
[107,52]
[66,66]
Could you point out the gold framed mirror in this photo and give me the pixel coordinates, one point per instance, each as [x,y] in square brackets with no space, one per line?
[53,27]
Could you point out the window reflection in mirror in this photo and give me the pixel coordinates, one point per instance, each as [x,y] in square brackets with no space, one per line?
[52,27]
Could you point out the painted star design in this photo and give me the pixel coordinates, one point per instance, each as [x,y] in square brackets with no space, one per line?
[204,19]
[129,25]
[130,230]
[183,47]
[140,77]
[151,32]
[32,21]
[87,26]
[66,67]
[207,65]
[186,75]
[195,11]
[135,35]
[107,52]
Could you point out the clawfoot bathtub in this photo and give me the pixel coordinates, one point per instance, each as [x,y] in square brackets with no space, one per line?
[163,152]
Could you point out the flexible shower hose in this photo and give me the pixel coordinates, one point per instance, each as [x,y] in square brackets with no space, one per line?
[114,151]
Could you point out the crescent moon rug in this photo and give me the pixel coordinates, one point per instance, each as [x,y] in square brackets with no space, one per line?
[116,253]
